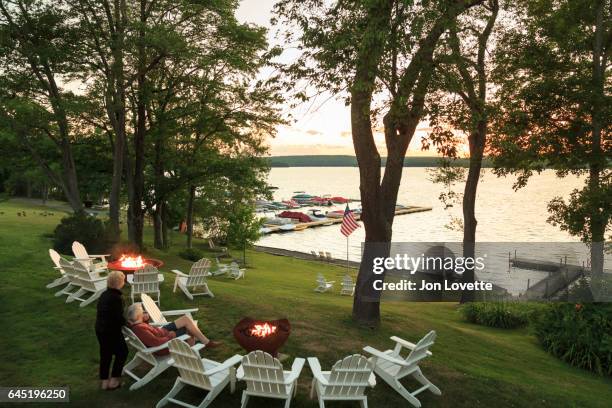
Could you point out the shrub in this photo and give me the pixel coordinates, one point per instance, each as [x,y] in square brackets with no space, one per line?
[191,254]
[579,334]
[504,315]
[80,227]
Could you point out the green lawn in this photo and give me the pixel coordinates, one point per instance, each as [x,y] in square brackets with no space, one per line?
[45,341]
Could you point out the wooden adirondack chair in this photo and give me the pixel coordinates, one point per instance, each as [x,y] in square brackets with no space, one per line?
[328,256]
[199,372]
[73,282]
[322,284]
[265,377]
[158,318]
[235,272]
[348,286]
[89,282]
[391,366]
[220,249]
[64,278]
[146,354]
[346,380]
[145,280]
[222,269]
[196,279]
[81,255]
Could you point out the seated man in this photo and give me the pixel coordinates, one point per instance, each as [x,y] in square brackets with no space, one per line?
[152,336]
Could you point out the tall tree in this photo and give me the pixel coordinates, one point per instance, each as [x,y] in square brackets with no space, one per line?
[37,54]
[554,93]
[376,50]
[461,104]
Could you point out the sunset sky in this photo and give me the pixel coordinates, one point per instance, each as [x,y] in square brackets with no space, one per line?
[322,127]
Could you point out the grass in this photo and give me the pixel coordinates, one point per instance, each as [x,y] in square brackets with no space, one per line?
[46,342]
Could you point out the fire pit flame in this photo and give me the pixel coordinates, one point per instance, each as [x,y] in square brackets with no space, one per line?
[263,330]
[131,261]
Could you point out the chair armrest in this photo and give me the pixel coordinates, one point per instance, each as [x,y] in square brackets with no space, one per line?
[178,312]
[380,354]
[176,271]
[315,367]
[372,380]
[150,350]
[330,281]
[230,362]
[296,369]
[99,256]
[407,344]
[81,259]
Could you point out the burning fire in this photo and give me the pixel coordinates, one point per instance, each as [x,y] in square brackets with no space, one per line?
[263,330]
[131,261]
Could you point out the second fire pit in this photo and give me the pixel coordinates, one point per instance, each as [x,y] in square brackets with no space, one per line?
[263,335]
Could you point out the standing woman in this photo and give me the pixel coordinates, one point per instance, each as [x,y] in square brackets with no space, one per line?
[109,320]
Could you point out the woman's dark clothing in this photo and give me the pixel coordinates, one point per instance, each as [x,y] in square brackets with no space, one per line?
[109,320]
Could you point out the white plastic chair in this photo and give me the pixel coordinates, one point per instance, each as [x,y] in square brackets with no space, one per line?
[145,354]
[264,377]
[158,318]
[348,286]
[322,284]
[89,282]
[64,278]
[145,281]
[392,367]
[199,372]
[196,279]
[346,381]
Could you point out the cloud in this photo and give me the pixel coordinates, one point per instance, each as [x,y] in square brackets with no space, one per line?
[313,132]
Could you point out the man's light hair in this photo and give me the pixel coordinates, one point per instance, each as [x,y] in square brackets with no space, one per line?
[134,312]
[115,279]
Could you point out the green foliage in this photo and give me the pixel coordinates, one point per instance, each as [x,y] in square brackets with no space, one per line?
[503,315]
[81,227]
[191,254]
[579,334]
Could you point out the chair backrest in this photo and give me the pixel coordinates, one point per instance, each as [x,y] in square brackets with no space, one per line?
[420,351]
[152,309]
[189,364]
[198,272]
[321,279]
[263,374]
[347,282]
[79,250]
[84,276]
[211,244]
[55,257]
[66,266]
[349,376]
[146,280]
[135,342]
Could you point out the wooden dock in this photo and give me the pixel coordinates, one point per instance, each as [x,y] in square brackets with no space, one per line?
[331,221]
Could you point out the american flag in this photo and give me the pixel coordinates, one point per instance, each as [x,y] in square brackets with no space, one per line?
[348,223]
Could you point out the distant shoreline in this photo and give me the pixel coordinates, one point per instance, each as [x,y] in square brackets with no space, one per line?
[351,161]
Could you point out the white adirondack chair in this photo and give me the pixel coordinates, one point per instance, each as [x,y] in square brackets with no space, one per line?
[328,256]
[391,366]
[89,282]
[81,255]
[147,355]
[199,372]
[322,284]
[73,281]
[314,255]
[346,380]
[348,286]
[196,279]
[265,377]
[235,272]
[158,318]
[64,278]
[222,269]
[145,280]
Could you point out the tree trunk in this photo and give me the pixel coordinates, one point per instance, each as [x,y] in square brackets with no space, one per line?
[192,190]
[116,111]
[158,239]
[165,226]
[477,142]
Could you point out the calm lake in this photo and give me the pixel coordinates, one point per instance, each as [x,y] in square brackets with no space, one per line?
[504,215]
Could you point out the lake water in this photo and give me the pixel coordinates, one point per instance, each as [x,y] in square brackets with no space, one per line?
[504,215]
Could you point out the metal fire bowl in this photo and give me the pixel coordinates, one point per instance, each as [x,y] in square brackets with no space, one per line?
[116,265]
[270,343]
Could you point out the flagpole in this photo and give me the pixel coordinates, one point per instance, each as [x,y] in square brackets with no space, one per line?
[347,255]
